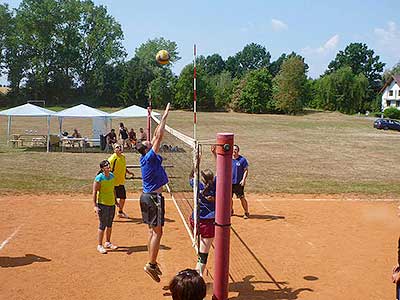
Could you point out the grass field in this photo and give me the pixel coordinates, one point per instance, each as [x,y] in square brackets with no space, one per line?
[318,152]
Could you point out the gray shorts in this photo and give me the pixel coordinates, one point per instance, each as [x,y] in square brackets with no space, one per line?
[106,216]
[152,206]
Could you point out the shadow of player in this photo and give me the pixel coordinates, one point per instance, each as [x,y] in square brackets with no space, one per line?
[247,291]
[10,262]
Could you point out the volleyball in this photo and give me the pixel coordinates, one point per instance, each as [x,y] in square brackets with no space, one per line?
[162,57]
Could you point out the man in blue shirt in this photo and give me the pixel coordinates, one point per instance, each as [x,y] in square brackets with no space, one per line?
[152,202]
[239,176]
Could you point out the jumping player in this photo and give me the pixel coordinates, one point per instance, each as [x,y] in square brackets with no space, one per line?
[152,202]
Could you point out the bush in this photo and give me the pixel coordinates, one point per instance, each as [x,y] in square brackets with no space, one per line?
[391,113]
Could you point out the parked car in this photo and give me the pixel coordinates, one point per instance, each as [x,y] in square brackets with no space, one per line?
[386,124]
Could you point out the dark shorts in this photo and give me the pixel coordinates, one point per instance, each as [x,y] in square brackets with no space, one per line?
[206,227]
[106,216]
[152,206]
[237,190]
[120,191]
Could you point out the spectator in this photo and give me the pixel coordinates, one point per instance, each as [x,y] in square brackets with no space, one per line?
[142,135]
[76,134]
[132,137]
[111,137]
[123,135]
[188,285]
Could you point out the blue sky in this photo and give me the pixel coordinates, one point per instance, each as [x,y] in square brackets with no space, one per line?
[315,29]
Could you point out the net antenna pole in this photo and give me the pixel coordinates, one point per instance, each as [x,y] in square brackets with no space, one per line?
[224,151]
[149,109]
[196,166]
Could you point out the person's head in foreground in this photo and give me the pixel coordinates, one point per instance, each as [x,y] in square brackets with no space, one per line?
[188,285]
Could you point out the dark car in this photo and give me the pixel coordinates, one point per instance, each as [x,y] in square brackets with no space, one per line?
[386,124]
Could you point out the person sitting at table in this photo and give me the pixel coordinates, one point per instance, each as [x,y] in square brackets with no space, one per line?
[132,137]
[76,134]
[142,135]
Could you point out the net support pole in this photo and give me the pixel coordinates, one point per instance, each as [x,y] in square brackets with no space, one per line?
[195,157]
[223,215]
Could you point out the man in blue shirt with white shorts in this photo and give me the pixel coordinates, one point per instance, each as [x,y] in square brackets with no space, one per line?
[152,202]
[239,175]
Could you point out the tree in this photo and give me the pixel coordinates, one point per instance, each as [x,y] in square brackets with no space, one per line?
[276,65]
[148,50]
[290,86]
[222,85]
[100,44]
[136,79]
[253,93]
[361,60]
[342,90]
[214,64]
[184,89]
[252,57]
[162,88]
[387,75]
[5,27]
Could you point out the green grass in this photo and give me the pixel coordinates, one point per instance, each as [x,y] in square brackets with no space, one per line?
[318,152]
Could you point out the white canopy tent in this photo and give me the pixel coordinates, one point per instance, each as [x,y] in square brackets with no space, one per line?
[100,119]
[28,110]
[133,111]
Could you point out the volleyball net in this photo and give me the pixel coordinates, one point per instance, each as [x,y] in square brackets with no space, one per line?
[180,155]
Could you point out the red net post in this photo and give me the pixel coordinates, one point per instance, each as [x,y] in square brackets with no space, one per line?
[223,215]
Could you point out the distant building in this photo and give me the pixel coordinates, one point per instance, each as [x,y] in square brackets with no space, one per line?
[391,93]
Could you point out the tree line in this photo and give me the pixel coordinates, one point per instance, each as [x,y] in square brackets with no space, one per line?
[70,51]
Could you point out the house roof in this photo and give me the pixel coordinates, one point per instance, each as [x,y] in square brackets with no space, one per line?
[82,111]
[396,78]
[27,110]
[133,111]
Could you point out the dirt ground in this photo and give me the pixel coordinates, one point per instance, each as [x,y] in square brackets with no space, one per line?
[292,247]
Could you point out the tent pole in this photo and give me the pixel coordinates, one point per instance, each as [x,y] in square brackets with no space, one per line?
[8,128]
[48,133]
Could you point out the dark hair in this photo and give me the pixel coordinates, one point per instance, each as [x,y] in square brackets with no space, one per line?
[236,147]
[103,163]
[141,148]
[188,285]
[208,178]
[121,124]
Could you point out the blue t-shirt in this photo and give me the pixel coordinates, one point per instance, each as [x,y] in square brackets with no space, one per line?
[206,208]
[153,174]
[239,165]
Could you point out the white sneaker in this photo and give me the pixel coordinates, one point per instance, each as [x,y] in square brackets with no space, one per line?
[123,215]
[101,249]
[108,245]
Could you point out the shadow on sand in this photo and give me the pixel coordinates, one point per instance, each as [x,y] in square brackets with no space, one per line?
[10,262]
[133,249]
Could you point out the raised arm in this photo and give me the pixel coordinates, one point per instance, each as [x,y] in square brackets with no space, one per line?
[159,132]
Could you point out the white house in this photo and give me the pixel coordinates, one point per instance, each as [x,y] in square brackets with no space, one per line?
[391,93]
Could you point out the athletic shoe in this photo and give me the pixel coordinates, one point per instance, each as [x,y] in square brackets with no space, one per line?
[152,272]
[108,245]
[101,249]
[246,216]
[123,215]
[158,270]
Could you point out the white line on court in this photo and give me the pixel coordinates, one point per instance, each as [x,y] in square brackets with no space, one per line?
[283,199]
[4,243]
